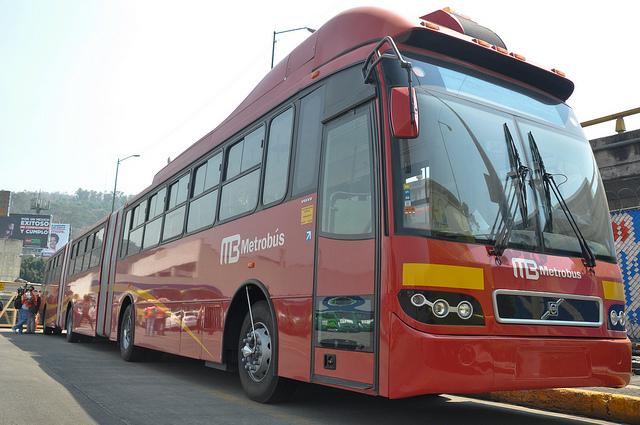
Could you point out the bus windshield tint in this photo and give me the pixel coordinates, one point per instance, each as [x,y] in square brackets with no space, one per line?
[474,85]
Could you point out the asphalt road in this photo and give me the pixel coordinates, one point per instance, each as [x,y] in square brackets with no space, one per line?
[45,380]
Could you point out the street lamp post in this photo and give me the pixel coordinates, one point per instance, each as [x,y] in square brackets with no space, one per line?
[273,44]
[115,184]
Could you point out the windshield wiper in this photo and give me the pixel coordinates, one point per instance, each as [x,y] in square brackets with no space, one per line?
[517,175]
[549,185]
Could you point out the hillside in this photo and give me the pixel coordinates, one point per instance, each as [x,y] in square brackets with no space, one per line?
[81,209]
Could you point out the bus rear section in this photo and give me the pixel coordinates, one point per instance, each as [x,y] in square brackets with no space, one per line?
[50,305]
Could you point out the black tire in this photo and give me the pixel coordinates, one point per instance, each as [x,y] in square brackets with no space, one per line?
[71,336]
[261,384]
[128,351]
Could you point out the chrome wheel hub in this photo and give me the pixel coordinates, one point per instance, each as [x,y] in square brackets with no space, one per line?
[256,352]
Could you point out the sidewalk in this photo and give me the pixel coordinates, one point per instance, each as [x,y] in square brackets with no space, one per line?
[621,405]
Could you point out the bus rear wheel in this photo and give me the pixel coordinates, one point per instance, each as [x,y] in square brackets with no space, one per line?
[71,336]
[128,351]
[257,358]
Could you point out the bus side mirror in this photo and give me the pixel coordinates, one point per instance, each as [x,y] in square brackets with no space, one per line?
[404,113]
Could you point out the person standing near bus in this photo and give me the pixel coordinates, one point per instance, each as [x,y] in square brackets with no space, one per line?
[33,310]
[19,306]
[28,305]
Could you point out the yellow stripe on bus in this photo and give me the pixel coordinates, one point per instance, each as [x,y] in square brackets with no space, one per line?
[613,290]
[442,276]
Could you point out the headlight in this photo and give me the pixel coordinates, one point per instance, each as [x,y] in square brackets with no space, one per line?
[440,308]
[613,316]
[616,317]
[465,310]
[418,300]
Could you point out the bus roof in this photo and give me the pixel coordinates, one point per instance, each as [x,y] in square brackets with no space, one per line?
[345,33]
[352,28]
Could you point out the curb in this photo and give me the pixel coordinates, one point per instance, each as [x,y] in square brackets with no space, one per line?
[608,406]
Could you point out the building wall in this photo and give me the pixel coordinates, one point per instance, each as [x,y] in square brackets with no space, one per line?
[10,250]
[618,158]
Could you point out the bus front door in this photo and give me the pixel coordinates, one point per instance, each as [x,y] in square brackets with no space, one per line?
[344,343]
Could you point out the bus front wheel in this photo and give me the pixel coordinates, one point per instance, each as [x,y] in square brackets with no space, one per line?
[257,357]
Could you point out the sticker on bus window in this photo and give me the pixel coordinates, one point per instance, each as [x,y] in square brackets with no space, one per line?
[306,215]
[409,210]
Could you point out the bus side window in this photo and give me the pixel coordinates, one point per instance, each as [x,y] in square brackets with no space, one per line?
[204,201]
[307,158]
[79,257]
[174,219]
[91,241]
[97,248]
[276,169]
[125,234]
[154,219]
[72,260]
[240,194]
[135,235]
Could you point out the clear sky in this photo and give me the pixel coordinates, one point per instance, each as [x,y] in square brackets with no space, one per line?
[85,82]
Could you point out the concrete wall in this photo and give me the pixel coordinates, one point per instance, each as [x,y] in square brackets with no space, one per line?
[618,158]
[10,250]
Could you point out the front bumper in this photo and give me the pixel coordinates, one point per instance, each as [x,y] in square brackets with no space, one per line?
[421,363]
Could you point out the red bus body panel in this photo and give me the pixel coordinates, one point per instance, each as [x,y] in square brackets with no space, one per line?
[173,272]
[468,364]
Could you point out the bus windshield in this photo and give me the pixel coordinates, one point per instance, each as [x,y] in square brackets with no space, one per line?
[455,180]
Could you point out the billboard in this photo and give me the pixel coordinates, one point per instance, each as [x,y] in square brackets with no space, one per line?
[10,228]
[58,237]
[32,229]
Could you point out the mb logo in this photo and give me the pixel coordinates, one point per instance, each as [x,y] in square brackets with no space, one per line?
[230,249]
[525,268]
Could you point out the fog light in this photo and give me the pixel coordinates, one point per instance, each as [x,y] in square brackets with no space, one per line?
[440,308]
[613,317]
[465,310]
[418,300]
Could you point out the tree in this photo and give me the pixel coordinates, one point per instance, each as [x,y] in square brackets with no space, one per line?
[82,209]
[32,269]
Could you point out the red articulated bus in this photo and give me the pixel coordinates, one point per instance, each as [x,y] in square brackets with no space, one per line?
[400,207]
